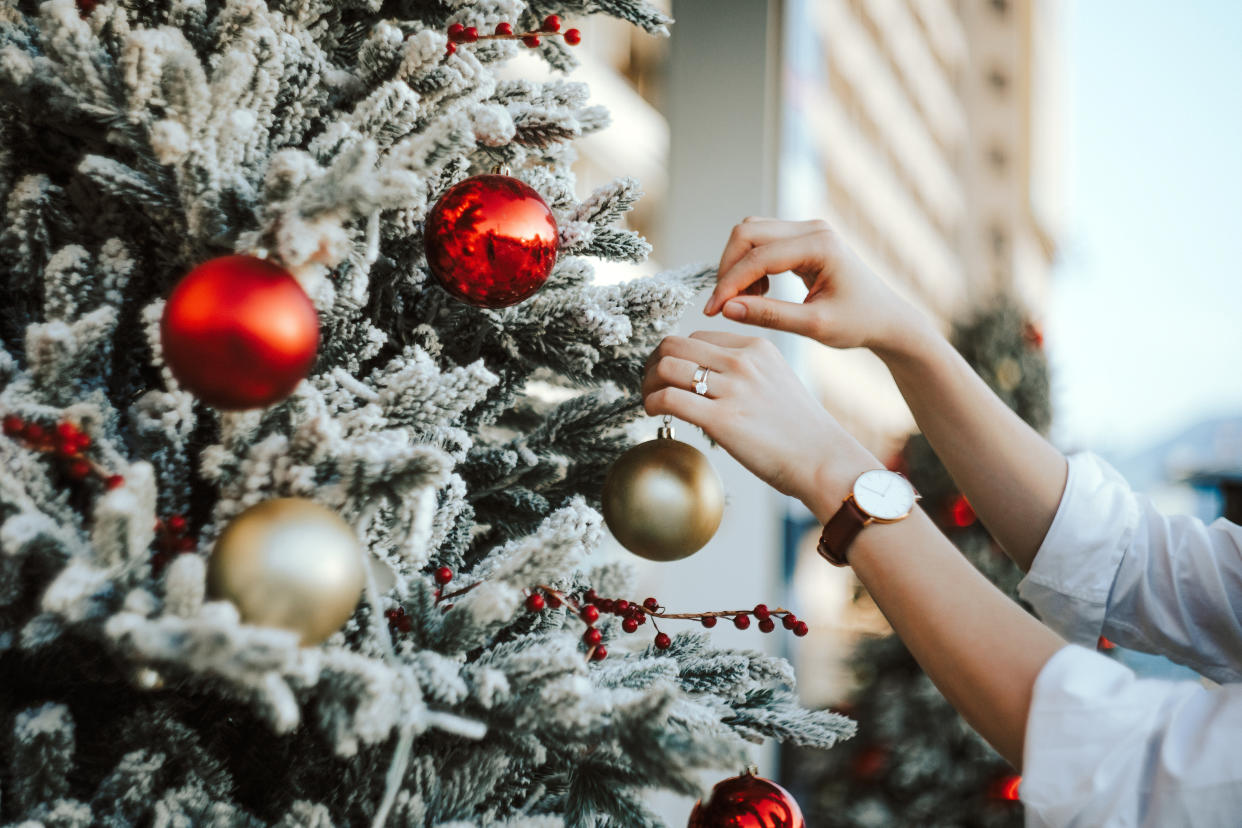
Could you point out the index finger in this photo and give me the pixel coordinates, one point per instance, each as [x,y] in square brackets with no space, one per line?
[754,231]
[796,253]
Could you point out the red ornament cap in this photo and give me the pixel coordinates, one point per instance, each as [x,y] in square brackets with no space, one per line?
[747,801]
[491,241]
[239,332]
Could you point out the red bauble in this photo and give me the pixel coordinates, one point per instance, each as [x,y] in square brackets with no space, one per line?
[491,241]
[239,332]
[961,512]
[747,801]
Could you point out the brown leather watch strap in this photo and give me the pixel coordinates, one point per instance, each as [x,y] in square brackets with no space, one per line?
[840,531]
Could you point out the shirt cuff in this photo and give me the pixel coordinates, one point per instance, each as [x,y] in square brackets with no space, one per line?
[1074,569]
[1088,754]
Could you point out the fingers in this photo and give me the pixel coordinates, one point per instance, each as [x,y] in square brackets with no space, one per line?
[804,254]
[794,317]
[693,349]
[682,404]
[680,373]
[755,231]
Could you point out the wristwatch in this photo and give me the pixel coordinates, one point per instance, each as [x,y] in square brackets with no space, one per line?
[878,496]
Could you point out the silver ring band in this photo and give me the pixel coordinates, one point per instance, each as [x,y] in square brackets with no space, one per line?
[700,380]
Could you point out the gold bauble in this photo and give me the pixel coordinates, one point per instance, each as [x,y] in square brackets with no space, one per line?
[662,499]
[289,563]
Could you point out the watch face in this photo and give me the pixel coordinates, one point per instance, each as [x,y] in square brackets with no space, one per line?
[883,494]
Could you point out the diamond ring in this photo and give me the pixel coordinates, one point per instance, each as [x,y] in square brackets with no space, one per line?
[700,380]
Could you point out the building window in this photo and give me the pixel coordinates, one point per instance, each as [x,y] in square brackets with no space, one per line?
[1000,241]
[998,158]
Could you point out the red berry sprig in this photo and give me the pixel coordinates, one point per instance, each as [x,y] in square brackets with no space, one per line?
[398,621]
[172,538]
[591,607]
[461,33]
[67,442]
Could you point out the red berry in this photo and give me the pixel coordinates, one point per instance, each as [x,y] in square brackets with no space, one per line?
[790,621]
[663,642]
[390,613]
[554,600]
[573,37]
[114,481]
[35,433]
[67,435]
[186,544]
[761,611]
[621,606]
[405,623]
[534,602]
[801,629]
[589,614]
[79,469]
[767,625]
[601,653]
[640,617]
[176,524]
[14,425]
[455,32]
[742,622]
[590,597]
[592,636]
[551,23]
[504,29]
[651,604]
[470,35]
[709,621]
[531,41]
[449,49]
[443,575]
[630,625]
[81,443]
[606,605]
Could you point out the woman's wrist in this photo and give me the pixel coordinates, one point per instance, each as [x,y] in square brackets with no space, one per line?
[833,480]
[913,340]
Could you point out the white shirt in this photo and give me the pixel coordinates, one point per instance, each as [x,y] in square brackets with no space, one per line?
[1103,747]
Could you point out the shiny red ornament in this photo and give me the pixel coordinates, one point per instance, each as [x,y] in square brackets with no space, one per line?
[747,801]
[961,512]
[239,332]
[491,241]
[1006,788]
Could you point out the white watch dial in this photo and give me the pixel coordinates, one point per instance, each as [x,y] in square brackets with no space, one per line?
[883,494]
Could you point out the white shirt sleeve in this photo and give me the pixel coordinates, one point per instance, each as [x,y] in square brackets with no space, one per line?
[1104,748]
[1112,565]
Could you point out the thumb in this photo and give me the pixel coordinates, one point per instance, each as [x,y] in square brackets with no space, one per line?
[793,317]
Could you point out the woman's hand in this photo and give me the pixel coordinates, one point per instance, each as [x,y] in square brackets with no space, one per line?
[847,305]
[760,412]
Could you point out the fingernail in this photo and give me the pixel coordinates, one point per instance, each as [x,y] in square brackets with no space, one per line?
[735,311]
[707,309]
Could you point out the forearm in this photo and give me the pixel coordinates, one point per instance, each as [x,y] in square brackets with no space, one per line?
[1011,475]
[979,648]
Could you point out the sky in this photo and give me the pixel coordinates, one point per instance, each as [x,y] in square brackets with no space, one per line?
[1145,325]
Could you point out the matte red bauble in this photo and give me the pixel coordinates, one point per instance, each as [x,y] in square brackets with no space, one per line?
[239,332]
[491,241]
[747,801]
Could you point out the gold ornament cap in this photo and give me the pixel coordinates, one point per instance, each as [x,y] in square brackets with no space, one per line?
[662,499]
[289,563]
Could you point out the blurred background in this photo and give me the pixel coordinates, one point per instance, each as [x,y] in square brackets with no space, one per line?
[1081,159]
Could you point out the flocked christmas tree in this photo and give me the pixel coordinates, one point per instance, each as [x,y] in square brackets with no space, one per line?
[183,516]
[915,761]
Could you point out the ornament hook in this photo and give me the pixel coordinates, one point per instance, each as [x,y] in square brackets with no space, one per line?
[666,430]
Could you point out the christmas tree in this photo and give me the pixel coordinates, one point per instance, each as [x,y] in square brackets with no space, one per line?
[914,760]
[486,676]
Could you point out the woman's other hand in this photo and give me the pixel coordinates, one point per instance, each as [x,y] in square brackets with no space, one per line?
[760,412]
[847,304]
